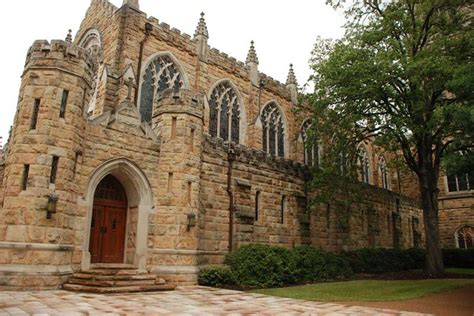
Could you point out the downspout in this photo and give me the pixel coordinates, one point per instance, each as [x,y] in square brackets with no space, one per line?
[148,29]
[230,161]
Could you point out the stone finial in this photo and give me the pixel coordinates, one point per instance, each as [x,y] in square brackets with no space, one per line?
[201,29]
[252,55]
[201,36]
[291,79]
[252,63]
[131,3]
[69,36]
[292,85]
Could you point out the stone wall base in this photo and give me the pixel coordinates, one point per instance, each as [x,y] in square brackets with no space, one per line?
[178,275]
[31,281]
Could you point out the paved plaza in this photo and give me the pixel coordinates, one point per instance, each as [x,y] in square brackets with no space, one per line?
[195,300]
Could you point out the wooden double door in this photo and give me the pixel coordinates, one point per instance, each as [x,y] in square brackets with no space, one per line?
[108,224]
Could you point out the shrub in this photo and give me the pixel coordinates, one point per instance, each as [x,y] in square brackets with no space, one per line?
[216,276]
[318,265]
[458,258]
[263,265]
[380,260]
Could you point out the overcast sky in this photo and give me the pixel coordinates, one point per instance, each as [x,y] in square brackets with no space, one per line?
[284,32]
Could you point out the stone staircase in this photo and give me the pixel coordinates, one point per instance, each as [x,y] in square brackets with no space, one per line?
[115,278]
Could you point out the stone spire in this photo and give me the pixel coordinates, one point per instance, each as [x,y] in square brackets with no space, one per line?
[291,79]
[131,3]
[252,55]
[252,64]
[201,29]
[292,85]
[69,36]
[201,36]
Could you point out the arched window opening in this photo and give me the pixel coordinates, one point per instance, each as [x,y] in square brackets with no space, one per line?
[161,74]
[273,130]
[364,165]
[312,153]
[224,112]
[92,43]
[110,189]
[384,173]
[257,205]
[464,237]
[282,209]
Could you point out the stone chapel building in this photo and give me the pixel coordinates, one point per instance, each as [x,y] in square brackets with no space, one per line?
[135,146]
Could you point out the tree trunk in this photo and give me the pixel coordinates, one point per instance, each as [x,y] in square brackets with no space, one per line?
[429,199]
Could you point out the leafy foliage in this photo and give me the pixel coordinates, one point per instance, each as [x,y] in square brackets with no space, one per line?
[262,265]
[380,260]
[318,265]
[402,77]
[257,265]
[216,276]
[459,258]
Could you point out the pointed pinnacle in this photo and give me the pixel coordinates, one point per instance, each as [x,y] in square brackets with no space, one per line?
[252,54]
[69,36]
[291,79]
[201,28]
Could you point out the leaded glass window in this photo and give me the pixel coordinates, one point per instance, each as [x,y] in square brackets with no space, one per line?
[364,165]
[161,74]
[460,183]
[465,237]
[311,146]
[224,113]
[384,173]
[273,130]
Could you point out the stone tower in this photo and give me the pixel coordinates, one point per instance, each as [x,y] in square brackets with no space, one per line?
[179,118]
[39,204]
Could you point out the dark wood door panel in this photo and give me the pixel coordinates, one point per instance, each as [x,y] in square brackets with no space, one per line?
[113,242]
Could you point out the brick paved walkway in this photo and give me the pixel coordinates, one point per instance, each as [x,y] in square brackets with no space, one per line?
[183,301]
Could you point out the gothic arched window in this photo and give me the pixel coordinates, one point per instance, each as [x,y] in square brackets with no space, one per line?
[224,112]
[161,74]
[384,173]
[273,130]
[92,43]
[311,146]
[464,237]
[364,165]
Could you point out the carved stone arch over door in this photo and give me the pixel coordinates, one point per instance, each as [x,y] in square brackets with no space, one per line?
[139,200]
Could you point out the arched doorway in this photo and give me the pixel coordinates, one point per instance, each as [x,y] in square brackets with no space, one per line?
[108,223]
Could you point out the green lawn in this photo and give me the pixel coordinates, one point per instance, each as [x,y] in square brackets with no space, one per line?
[367,290]
[460,270]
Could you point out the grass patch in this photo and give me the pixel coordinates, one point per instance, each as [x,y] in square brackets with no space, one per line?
[367,290]
[460,270]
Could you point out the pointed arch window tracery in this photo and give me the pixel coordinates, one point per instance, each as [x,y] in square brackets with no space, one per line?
[384,174]
[273,130]
[224,113]
[465,237]
[364,165]
[161,74]
[312,151]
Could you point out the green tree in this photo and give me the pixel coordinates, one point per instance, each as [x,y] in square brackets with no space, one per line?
[402,76]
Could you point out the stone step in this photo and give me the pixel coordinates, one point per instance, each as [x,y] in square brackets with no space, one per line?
[119,266]
[115,272]
[121,289]
[91,276]
[110,283]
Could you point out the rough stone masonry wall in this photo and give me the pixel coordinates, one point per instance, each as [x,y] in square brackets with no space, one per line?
[127,30]
[370,225]
[456,209]
[34,250]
